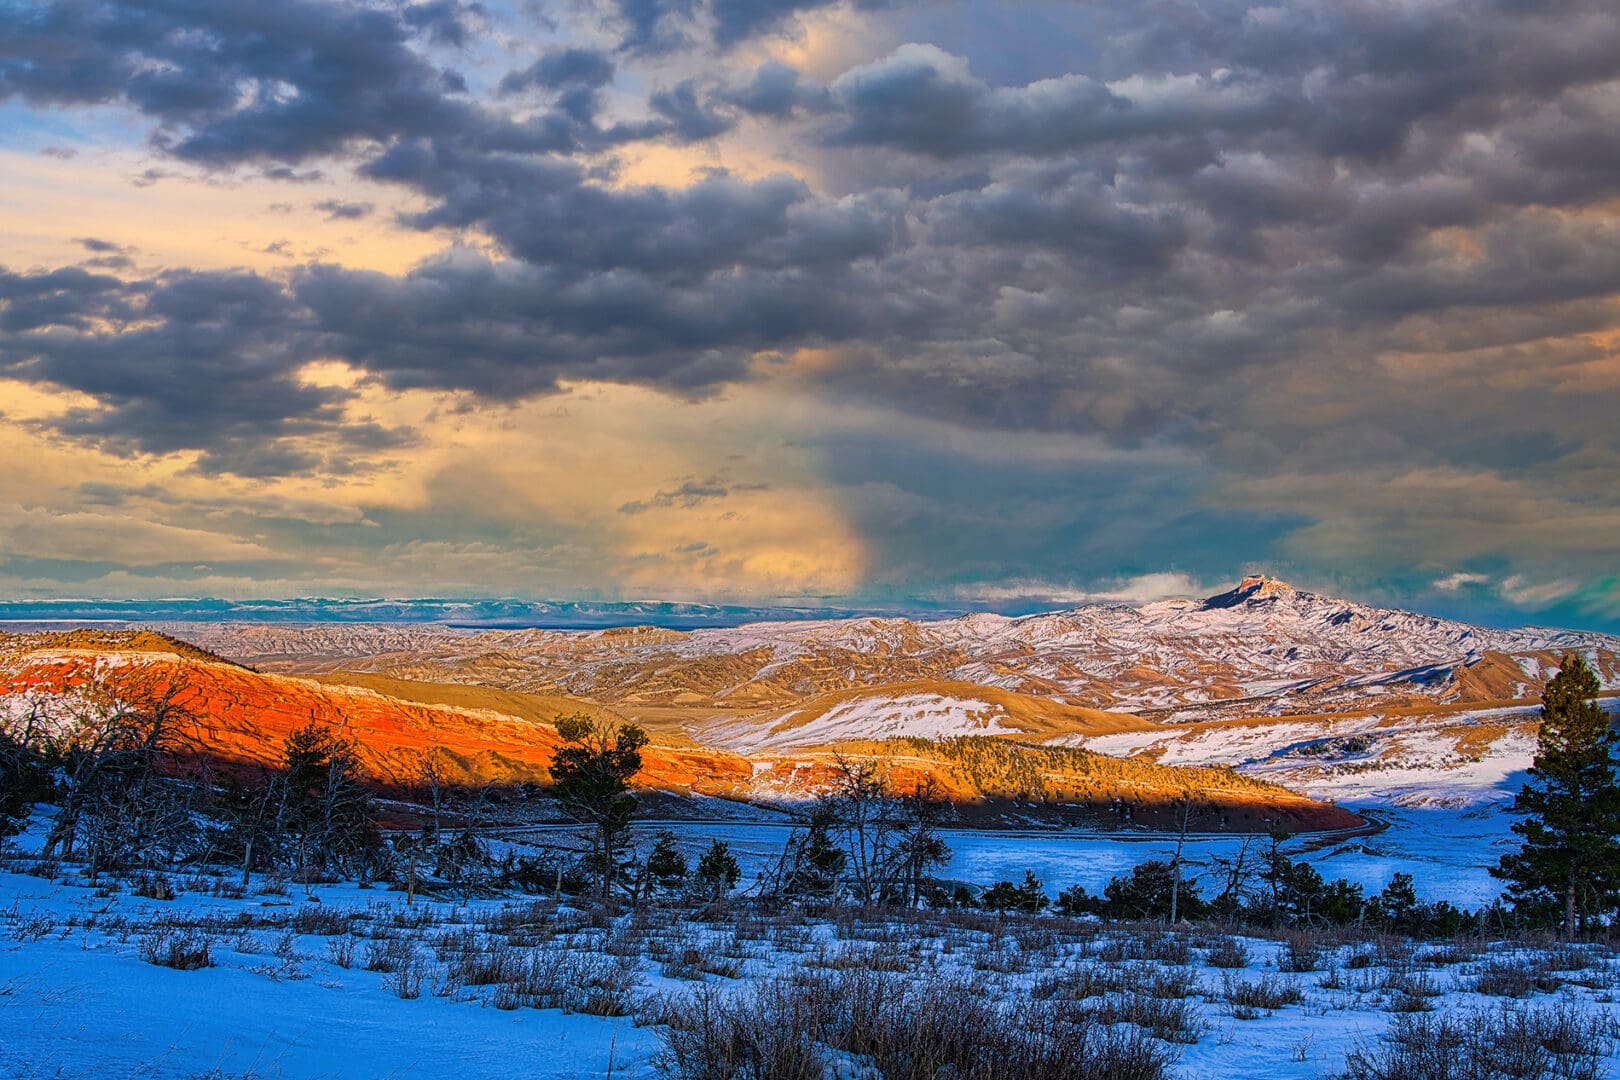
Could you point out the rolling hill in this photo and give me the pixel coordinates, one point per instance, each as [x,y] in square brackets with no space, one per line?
[236,717]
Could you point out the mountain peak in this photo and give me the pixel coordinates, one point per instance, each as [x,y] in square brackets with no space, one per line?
[1254,588]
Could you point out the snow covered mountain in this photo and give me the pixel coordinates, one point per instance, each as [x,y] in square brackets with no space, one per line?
[1262,648]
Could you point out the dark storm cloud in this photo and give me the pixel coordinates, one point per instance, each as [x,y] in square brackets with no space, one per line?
[561,68]
[446,22]
[924,100]
[689,120]
[657,26]
[506,329]
[1280,238]
[195,361]
[343,209]
[545,212]
[777,90]
[238,80]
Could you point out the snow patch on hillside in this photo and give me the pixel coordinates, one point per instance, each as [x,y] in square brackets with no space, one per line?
[928,716]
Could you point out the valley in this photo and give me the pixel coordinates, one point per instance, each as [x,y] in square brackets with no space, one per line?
[1266,707]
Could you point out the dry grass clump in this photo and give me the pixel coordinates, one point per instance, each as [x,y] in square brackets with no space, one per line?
[1247,999]
[791,1028]
[1227,952]
[173,947]
[1562,1042]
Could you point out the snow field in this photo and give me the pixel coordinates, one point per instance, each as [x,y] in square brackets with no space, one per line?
[340,981]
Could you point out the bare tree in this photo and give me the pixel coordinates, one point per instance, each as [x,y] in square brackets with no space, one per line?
[121,754]
[918,847]
[1235,872]
[431,774]
[1183,807]
[324,807]
[865,812]
[24,774]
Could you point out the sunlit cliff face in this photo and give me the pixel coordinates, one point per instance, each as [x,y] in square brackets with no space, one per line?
[808,301]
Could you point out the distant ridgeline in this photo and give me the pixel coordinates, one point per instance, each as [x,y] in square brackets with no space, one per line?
[494,613]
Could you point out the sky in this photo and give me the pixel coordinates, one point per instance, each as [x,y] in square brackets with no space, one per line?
[859,303]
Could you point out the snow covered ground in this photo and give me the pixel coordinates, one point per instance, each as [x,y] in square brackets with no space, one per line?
[81,1003]
[926,716]
[78,1001]
[1446,851]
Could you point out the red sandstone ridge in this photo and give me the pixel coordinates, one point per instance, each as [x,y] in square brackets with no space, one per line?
[244,716]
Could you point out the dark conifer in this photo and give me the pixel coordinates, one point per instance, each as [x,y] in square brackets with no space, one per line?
[1570,808]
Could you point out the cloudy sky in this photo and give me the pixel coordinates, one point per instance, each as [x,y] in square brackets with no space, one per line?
[874,303]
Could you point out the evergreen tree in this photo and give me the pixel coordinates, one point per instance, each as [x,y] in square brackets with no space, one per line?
[24,779]
[717,870]
[1030,897]
[1570,808]
[1343,902]
[666,866]
[1145,893]
[1075,901]
[815,862]
[1398,907]
[591,781]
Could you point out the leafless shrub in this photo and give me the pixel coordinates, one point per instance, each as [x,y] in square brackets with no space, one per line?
[153,886]
[1411,993]
[558,977]
[320,920]
[181,949]
[1461,951]
[228,889]
[761,1036]
[1513,976]
[341,950]
[388,954]
[789,937]
[907,1030]
[487,965]
[31,927]
[1169,949]
[405,978]
[522,924]
[1301,952]
[1268,993]
[272,885]
[1142,979]
[1227,952]
[1558,1043]
[1174,1020]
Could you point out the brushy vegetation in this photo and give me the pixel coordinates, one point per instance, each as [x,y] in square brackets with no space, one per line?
[745,990]
[1511,1042]
[1001,768]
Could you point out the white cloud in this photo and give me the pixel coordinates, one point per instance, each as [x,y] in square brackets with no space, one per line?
[1141,589]
[1518,590]
[1454,582]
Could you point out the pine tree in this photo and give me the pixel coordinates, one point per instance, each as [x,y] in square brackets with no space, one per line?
[1570,808]
[717,870]
[821,861]
[666,866]
[591,780]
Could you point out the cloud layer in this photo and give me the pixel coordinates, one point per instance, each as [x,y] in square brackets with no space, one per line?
[1328,287]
